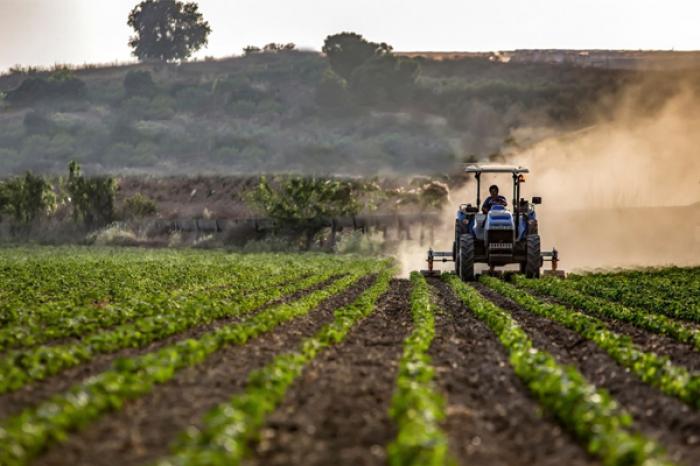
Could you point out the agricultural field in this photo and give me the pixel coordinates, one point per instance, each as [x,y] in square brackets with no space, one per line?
[192,357]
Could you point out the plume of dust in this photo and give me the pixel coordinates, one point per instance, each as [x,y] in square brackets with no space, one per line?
[622,193]
[625,192]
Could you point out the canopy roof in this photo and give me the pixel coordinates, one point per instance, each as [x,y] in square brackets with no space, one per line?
[494,168]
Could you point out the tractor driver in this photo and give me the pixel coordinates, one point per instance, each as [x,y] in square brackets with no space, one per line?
[493,199]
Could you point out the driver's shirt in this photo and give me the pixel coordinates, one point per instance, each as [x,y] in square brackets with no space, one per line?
[490,202]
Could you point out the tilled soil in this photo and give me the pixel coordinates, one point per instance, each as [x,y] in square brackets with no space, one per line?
[674,424]
[35,392]
[679,353]
[337,412]
[144,428]
[491,418]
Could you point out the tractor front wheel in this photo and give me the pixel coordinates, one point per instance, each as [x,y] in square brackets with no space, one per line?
[465,266]
[534,257]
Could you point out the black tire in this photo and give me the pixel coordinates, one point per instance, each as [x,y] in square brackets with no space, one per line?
[534,257]
[466,258]
[455,256]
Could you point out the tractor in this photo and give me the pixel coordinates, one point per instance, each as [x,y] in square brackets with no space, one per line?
[498,237]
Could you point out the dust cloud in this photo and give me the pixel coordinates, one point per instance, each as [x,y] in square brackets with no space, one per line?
[624,192]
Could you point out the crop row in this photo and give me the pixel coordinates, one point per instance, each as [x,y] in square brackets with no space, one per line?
[23,366]
[83,320]
[586,411]
[95,290]
[25,435]
[227,429]
[44,283]
[674,292]
[653,322]
[651,368]
[417,408]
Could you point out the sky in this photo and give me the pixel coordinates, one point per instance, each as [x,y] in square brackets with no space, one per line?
[46,32]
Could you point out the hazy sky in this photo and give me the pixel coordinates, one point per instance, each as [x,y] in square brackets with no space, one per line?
[44,32]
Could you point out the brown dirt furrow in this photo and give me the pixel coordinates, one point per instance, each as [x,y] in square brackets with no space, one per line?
[679,353]
[33,393]
[672,423]
[337,412]
[144,428]
[491,417]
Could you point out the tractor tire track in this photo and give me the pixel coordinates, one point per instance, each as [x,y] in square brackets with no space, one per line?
[675,425]
[337,411]
[491,418]
[145,427]
[35,392]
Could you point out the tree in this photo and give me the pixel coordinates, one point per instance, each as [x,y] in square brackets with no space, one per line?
[373,73]
[25,198]
[304,205]
[167,30]
[92,198]
[347,51]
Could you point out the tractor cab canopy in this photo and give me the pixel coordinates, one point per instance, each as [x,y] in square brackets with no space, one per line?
[495,168]
[515,171]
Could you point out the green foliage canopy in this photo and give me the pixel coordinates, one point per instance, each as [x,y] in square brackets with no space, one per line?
[299,201]
[92,198]
[167,30]
[27,197]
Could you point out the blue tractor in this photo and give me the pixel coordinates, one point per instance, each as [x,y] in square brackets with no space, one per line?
[498,237]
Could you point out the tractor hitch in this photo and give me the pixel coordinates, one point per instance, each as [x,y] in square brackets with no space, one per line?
[440,256]
[553,257]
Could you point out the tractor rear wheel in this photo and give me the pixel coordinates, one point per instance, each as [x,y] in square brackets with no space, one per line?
[466,258]
[455,256]
[534,257]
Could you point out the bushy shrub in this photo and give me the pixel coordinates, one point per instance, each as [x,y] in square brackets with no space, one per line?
[139,83]
[37,89]
[193,99]
[36,122]
[138,206]
[160,107]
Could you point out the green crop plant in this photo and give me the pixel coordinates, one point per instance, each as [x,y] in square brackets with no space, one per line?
[651,368]
[586,411]
[657,323]
[416,407]
[23,436]
[229,427]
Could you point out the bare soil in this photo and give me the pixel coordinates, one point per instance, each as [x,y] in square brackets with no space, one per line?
[491,417]
[144,428]
[674,424]
[337,412]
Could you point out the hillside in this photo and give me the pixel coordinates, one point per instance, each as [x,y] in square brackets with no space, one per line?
[273,112]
